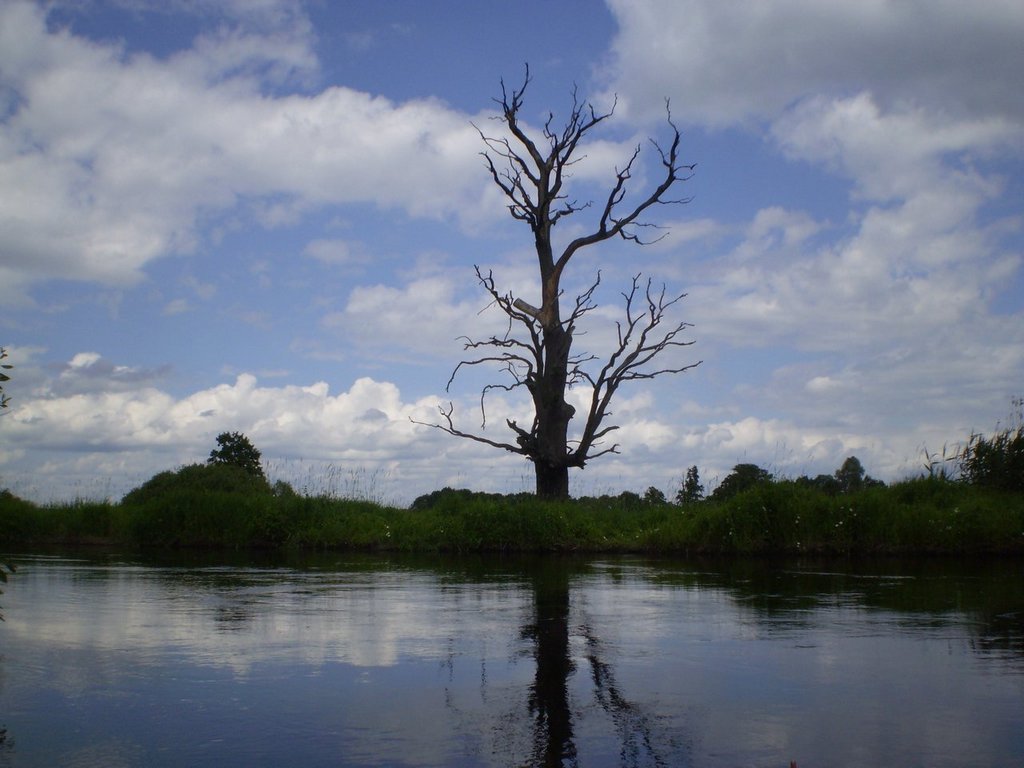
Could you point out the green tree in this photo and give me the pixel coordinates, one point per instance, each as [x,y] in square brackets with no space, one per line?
[533,171]
[824,483]
[691,491]
[4,378]
[742,478]
[655,496]
[850,476]
[236,450]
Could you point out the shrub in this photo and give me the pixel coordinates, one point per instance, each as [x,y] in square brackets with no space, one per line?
[198,478]
[20,520]
[203,504]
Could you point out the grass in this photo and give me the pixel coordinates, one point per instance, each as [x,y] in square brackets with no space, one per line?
[925,515]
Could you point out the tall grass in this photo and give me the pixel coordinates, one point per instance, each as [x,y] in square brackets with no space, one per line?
[916,516]
[223,506]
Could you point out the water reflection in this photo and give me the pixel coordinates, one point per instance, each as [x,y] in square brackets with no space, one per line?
[478,662]
[549,693]
[549,702]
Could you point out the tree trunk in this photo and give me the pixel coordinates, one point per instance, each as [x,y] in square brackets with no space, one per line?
[552,481]
[551,462]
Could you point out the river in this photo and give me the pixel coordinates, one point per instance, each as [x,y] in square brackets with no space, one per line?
[346,660]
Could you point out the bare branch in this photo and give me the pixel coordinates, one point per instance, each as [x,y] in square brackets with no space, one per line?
[612,223]
[449,428]
[636,348]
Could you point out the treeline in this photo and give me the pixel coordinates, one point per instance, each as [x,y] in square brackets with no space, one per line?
[849,478]
[229,503]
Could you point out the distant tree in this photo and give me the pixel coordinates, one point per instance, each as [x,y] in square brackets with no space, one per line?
[628,500]
[236,450]
[850,475]
[4,378]
[824,483]
[654,496]
[284,490]
[742,478]
[691,491]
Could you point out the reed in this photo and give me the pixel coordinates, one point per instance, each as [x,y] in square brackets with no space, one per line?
[211,507]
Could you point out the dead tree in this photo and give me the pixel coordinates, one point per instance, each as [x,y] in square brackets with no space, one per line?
[536,351]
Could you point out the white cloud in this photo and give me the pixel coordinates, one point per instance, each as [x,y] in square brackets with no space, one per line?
[177,307]
[109,159]
[79,421]
[426,316]
[98,428]
[896,152]
[919,253]
[334,251]
[725,63]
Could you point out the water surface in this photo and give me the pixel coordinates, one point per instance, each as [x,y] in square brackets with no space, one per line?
[342,660]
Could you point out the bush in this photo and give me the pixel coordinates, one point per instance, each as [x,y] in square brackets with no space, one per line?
[198,478]
[203,504]
[20,520]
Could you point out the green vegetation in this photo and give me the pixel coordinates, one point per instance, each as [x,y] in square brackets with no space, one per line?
[742,478]
[226,505]
[219,506]
[997,461]
[234,450]
[691,490]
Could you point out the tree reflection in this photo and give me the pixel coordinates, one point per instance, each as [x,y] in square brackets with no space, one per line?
[549,693]
[631,723]
[554,742]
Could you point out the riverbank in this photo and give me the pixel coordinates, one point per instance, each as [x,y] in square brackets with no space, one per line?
[925,515]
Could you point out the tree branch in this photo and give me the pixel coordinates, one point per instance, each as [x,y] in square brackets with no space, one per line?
[613,224]
[449,428]
[636,348]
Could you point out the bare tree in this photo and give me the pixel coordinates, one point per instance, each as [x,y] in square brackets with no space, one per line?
[535,352]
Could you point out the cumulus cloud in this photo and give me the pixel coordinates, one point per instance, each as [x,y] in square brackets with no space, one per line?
[891,153]
[75,437]
[425,316]
[727,63]
[89,372]
[110,158]
[76,422]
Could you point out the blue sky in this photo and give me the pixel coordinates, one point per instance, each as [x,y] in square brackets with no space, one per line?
[264,216]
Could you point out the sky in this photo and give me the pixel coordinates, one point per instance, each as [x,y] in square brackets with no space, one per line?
[263,216]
